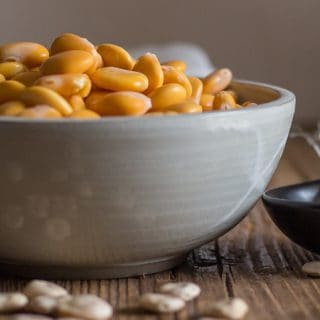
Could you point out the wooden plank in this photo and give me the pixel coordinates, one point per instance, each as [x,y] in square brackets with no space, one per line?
[253,261]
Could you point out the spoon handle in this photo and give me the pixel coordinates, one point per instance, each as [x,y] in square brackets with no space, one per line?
[313,139]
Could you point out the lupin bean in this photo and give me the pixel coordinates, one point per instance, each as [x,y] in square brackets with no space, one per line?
[186,291]
[161,303]
[149,65]
[27,78]
[233,308]
[11,69]
[115,56]
[70,41]
[161,113]
[217,81]
[40,112]
[67,84]
[249,104]
[177,64]
[36,95]
[94,97]
[116,79]
[73,61]
[172,75]
[12,302]
[10,90]
[78,79]
[122,103]
[167,95]
[86,306]
[206,101]
[184,107]
[77,102]
[197,88]
[11,108]
[28,53]
[84,114]
[223,100]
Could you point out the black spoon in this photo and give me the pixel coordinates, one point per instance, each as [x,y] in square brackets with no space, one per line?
[296,211]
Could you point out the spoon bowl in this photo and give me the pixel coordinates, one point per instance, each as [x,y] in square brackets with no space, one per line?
[296,211]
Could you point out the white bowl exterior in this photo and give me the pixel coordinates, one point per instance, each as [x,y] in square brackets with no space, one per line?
[106,193]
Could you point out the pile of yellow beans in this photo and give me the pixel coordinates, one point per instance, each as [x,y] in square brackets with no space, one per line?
[76,79]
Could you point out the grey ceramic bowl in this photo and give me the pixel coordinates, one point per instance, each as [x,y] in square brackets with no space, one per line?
[127,196]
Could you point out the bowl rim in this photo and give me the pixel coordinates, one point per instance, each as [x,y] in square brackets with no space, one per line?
[285,97]
[269,197]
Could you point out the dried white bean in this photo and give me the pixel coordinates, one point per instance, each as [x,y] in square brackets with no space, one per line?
[43,304]
[312,268]
[24,316]
[85,306]
[184,290]
[44,288]
[161,303]
[68,318]
[10,302]
[234,308]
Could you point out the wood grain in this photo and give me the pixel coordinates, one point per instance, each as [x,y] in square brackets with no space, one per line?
[253,261]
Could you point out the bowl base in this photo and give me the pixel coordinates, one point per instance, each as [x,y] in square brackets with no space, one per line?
[89,273]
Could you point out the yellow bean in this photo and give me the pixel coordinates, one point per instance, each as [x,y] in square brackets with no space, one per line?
[116,79]
[77,102]
[185,107]
[177,64]
[197,88]
[166,95]
[115,56]
[84,114]
[10,90]
[70,41]
[40,112]
[11,108]
[170,113]
[206,101]
[217,81]
[172,75]
[28,53]
[149,65]
[73,61]
[154,114]
[11,69]
[67,84]
[122,103]
[98,63]
[95,96]
[249,104]
[36,95]
[160,113]
[80,80]
[223,101]
[233,93]
[27,78]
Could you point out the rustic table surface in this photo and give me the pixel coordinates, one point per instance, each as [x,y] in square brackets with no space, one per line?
[254,261]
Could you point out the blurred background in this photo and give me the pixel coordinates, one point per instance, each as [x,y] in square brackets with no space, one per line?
[271,41]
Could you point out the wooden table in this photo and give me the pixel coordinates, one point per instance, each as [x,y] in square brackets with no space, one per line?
[253,261]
